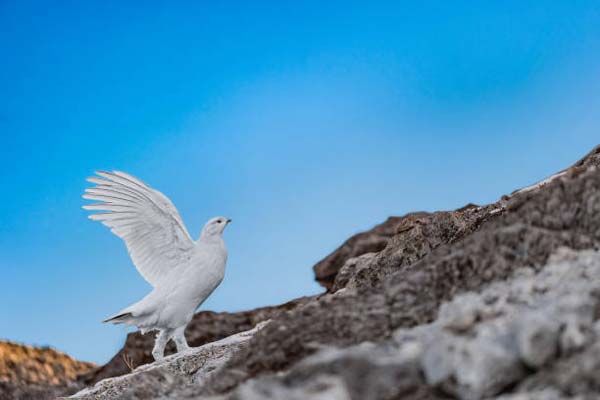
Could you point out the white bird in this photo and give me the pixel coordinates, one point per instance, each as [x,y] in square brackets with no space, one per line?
[183,272]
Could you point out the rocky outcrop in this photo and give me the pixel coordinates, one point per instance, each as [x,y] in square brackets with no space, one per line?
[28,372]
[360,260]
[536,334]
[371,241]
[416,236]
[174,376]
[496,302]
[565,212]
[206,327]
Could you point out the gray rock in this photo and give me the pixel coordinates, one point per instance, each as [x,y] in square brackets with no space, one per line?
[365,372]
[544,394]
[537,338]
[471,365]
[170,377]
[345,278]
[205,327]
[462,313]
[445,310]
[373,240]
[522,327]
[322,387]
[507,327]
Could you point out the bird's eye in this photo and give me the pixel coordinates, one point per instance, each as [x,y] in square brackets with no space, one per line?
[218,221]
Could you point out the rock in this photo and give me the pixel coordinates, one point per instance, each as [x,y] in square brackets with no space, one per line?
[366,258]
[480,360]
[500,300]
[523,238]
[537,338]
[206,327]
[544,394]
[366,372]
[525,331]
[416,234]
[373,240]
[576,375]
[484,368]
[462,313]
[344,319]
[28,372]
[320,388]
[171,376]
[351,268]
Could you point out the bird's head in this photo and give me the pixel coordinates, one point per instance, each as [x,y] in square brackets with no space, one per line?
[215,226]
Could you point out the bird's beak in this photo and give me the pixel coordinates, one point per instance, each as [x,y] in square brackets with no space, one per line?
[228,220]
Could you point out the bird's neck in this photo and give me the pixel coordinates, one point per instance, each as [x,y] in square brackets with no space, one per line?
[215,243]
[208,238]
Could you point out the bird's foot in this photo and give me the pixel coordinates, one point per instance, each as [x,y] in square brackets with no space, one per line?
[158,352]
[179,339]
[158,355]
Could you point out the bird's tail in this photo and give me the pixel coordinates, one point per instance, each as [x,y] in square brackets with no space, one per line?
[120,318]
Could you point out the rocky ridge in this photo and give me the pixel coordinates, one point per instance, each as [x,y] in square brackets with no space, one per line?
[205,327]
[511,333]
[424,306]
[172,375]
[499,301]
[28,372]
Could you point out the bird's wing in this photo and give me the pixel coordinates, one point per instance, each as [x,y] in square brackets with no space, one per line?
[145,219]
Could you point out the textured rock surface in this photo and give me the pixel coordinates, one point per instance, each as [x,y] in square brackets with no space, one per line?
[414,235]
[206,327]
[565,212]
[28,372]
[480,344]
[499,301]
[364,259]
[370,241]
[171,376]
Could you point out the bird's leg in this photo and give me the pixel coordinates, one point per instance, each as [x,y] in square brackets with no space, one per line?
[179,339]
[159,345]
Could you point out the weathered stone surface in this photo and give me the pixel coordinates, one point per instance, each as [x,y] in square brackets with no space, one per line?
[492,353]
[489,354]
[28,372]
[565,212]
[501,300]
[366,372]
[400,241]
[351,268]
[36,391]
[170,377]
[544,394]
[537,338]
[418,237]
[369,257]
[206,327]
[575,375]
[371,241]
[343,319]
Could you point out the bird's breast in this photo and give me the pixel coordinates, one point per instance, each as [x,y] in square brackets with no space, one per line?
[202,275]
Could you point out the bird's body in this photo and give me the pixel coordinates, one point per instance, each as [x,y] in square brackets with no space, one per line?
[173,303]
[183,272]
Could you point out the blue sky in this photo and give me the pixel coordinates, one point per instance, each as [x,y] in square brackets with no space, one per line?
[303,122]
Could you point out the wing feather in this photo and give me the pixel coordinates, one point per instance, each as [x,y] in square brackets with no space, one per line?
[144,218]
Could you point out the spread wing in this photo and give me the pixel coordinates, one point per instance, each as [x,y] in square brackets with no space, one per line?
[145,219]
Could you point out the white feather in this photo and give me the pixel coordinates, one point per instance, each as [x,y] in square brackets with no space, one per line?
[183,272]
